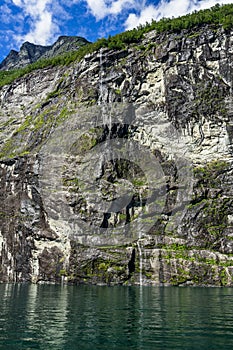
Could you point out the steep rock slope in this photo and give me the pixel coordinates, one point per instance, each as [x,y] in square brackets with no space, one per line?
[151,125]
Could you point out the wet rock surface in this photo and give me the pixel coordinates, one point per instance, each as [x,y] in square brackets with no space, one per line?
[151,125]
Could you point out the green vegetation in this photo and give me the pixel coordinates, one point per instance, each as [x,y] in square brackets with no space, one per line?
[34,128]
[71,182]
[208,174]
[191,253]
[194,265]
[86,141]
[139,182]
[215,216]
[102,271]
[208,199]
[62,272]
[122,217]
[217,15]
[224,277]
[210,98]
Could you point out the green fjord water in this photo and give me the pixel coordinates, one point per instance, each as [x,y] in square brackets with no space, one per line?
[91,317]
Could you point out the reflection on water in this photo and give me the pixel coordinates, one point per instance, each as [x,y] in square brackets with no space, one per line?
[82,317]
[32,316]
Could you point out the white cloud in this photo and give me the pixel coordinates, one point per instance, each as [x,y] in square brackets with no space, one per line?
[208,3]
[103,8]
[143,11]
[169,8]
[42,27]
[17,2]
[44,17]
[5,14]
[6,40]
[42,31]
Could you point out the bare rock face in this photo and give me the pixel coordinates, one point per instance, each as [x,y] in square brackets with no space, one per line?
[30,53]
[118,168]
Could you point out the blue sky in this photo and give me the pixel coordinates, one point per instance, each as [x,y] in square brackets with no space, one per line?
[42,21]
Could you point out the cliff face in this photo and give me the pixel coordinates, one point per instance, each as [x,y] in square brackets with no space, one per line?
[30,53]
[118,168]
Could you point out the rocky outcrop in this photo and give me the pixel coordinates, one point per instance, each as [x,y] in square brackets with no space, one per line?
[30,53]
[118,168]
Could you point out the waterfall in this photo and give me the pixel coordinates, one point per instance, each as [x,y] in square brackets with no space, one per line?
[62,280]
[105,110]
[139,244]
[140,262]
[101,77]
[106,117]
[100,102]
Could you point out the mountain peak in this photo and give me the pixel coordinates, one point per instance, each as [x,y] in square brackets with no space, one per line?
[30,53]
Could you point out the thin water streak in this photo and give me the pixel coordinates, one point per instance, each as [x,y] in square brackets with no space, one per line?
[139,245]
[140,262]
